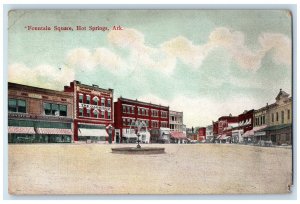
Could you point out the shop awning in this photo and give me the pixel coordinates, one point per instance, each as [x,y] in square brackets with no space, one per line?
[178,135]
[258,132]
[21,130]
[54,131]
[83,132]
[130,135]
[248,133]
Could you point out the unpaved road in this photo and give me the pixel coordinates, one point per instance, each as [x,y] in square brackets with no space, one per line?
[183,169]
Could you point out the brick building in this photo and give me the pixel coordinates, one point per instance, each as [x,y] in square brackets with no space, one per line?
[244,130]
[224,127]
[93,112]
[201,134]
[37,115]
[128,111]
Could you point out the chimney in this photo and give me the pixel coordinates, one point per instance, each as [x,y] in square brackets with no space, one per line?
[96,86]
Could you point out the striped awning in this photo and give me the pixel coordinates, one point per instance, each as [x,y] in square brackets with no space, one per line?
[178,135]
[84,132]
[54,131]
[21,130]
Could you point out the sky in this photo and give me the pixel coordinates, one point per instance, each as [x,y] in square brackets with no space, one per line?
[206,63]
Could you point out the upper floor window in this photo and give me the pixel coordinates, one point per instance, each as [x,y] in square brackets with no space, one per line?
[154,113]
[95,99]
[164,114]
[88,99]
[16,105]
[102,114]
[132,110]
[80,98]
[88,112]
[108,102]
[95,113]
[282,116]
[80,112]
[277,117]
[124,109]
[102,101]
[55,109]
[272,117]
[108,115]
[288,114]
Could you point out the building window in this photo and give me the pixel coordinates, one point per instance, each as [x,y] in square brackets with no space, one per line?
[88,112]
[277,118]
[132,110]
[263,120]
[288,114]
[139,111]
[88,99]
[128,109]
[62,110]
[102,101]
[95,99]
[15,105]
[55,109]
[124,121]
[154,124]
[108,115]
[102,114]
[124,109]
[154,113]
[80,98]
[108,103]
[272,117]
[164,114]
[95,113]
[80,112]
[143,112]
[128,122]
[282,116]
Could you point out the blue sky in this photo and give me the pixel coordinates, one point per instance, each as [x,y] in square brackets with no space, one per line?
[206,63]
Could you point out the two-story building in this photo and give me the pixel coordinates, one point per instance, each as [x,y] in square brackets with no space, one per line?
[277,119]
[128,111]
[37,115]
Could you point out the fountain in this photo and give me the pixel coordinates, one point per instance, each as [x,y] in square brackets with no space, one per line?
[137,127]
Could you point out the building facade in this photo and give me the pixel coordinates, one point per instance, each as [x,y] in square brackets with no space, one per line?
[201,134]
[243,133]
[93,112]
[128,111]
[225,126]
[177,128]
[278,121]
[209,134]
[37,115]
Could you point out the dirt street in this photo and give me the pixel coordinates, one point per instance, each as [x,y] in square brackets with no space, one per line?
[183,169]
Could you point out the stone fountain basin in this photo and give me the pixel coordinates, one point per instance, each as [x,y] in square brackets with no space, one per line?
[142,150]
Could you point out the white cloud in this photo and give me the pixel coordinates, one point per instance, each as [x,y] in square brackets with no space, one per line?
[183,49]
[83,58]
[234,43]
[163,58]
[45,76]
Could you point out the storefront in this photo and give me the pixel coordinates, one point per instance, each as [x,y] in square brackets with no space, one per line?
[92,133]
[277,134]
[28,131]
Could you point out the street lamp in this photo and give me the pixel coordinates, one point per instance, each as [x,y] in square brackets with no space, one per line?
[109,129]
